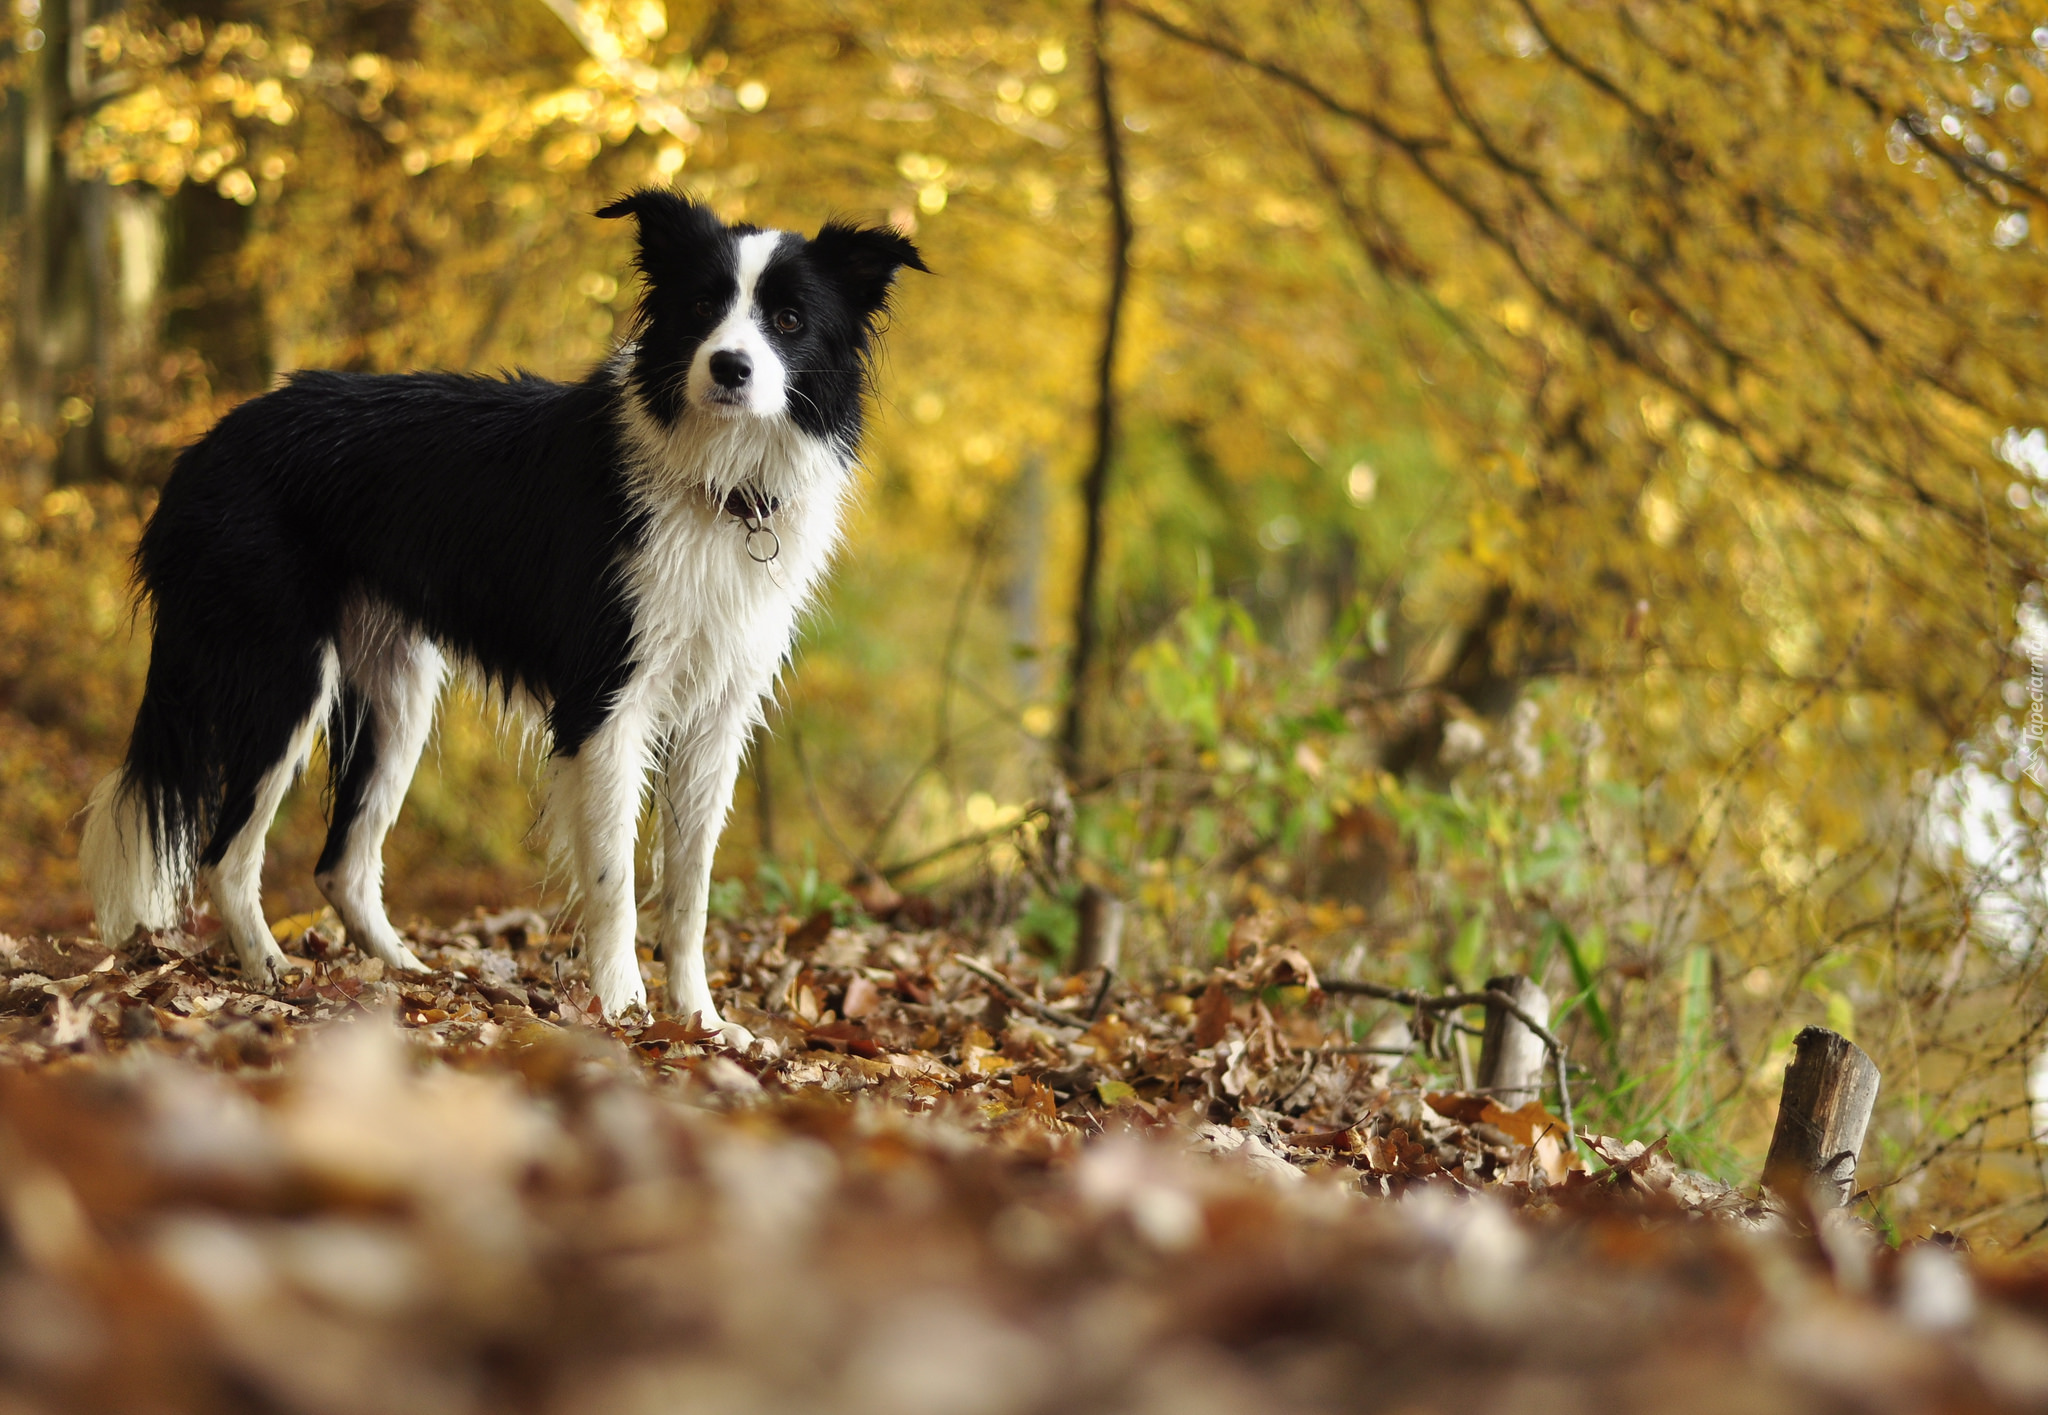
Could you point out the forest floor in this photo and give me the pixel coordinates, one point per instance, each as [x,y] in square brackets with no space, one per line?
[940,1187]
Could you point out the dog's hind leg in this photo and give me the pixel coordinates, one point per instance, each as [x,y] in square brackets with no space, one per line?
[697,785]
[382,717]
[263,766]
[593,811]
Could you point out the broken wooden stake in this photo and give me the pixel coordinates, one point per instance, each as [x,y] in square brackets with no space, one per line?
[1511,1057]
[1830,1088]
[1098,942]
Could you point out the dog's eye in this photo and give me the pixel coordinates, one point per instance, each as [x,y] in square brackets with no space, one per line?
[706,309]
[789,321]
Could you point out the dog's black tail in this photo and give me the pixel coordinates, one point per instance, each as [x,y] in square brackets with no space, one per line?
[239,660]
[147,819]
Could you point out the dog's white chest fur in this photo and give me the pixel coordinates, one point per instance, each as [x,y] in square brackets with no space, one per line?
[712,622]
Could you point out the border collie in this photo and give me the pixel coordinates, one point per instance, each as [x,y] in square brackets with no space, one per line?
[626,556]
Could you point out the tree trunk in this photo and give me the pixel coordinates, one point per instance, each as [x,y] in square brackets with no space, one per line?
[1511,1057]
[1095,485]
[1830,1089]
[67,334]
[1098,941]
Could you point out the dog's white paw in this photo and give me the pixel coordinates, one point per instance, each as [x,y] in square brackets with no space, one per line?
[399,959]
[406,961]
[631,1017]
[621,1006]
[730,1034]
[267,971]
[389,949]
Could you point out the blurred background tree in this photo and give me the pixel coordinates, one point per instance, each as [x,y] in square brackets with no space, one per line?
[1488,483]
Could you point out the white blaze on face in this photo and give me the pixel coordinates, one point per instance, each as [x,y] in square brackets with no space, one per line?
[743,334]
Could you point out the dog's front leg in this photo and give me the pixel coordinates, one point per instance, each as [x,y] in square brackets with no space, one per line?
[697,788]
[593,810]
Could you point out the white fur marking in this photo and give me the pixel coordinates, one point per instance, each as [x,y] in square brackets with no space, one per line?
[593,809]
[236,883]
[133,884]
[400,674]
[697,784]
[744,331]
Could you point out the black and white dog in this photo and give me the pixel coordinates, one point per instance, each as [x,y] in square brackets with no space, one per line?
[626,556]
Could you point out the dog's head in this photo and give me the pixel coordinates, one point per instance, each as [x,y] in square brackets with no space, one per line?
[737,322]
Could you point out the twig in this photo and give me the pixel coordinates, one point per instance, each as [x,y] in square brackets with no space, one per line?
[965,842]
[1102,993]
[1451,1002]
[1016,994]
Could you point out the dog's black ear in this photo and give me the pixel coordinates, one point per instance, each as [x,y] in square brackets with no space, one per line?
[864,261]
[672,227]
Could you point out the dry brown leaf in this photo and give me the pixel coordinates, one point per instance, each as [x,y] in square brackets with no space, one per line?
[862,998]
[1346,1141]
[1213,1015]
[1247,936]
[670,1030]
[876,896]
[1526,1124]
[809,934]
[848,1037]
[1458,1106]
[805,1002]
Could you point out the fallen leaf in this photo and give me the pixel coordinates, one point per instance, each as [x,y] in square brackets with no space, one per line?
[1346,1141]
[876,896]
[922,1066]
[862,998]
[290,927]
[1468,1110]
[848,1037]
[809,934]
[1212,1015]
[56,958]
[805,1002]
[1247,936]
[510,994]
[670,1030]
[1525,1124]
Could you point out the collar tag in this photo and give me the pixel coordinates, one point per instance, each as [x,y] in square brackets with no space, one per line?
[752,509]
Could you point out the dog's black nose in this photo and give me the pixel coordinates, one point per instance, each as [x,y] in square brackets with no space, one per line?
[731,370]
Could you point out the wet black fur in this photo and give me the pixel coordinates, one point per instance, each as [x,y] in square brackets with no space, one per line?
[491,513]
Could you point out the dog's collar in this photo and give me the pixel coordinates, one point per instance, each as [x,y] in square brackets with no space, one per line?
[752,507]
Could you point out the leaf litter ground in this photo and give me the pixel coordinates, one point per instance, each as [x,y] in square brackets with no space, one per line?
[939,1185]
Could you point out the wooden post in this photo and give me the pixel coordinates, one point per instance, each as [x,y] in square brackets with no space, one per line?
[1511,1057]
[1098,942]
[1830,1088]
